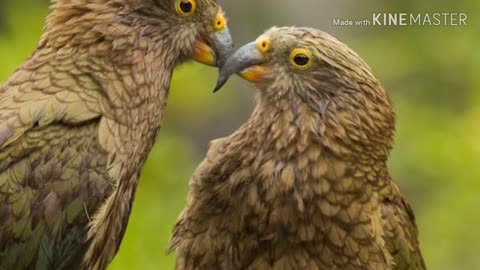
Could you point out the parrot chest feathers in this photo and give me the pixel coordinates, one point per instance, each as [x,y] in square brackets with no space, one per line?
[309,202]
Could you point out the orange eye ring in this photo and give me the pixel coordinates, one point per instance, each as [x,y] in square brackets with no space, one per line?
[263,45]
[220,22]
[186,7]
[301,59]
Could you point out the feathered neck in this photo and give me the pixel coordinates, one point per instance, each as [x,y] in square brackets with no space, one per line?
[348,127]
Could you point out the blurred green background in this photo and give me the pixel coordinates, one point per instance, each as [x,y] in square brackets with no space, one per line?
[432,74]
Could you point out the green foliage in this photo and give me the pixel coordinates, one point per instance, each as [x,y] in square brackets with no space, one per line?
[160,199]
[432,75]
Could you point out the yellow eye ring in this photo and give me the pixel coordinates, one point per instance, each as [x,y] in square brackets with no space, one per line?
[301,59]
[220,22]
[186,7]
[263,45]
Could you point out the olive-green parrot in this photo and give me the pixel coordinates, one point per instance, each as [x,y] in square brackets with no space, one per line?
[304,184]
[79,118]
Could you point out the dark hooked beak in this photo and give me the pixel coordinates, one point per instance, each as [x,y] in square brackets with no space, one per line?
[214,49]
[245,62]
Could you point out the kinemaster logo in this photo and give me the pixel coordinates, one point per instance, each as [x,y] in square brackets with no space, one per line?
[407,19]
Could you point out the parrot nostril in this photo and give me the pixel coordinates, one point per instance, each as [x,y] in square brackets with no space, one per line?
[220,22]
[263,45]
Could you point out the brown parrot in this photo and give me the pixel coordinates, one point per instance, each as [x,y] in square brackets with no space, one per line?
[304,183]
[79,118]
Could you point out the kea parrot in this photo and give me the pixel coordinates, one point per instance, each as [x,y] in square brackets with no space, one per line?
[79,118]
[303,184]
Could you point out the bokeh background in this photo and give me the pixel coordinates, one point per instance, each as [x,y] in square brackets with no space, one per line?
[431,73]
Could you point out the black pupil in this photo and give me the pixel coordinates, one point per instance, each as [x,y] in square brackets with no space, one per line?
[301,59]
[186,6]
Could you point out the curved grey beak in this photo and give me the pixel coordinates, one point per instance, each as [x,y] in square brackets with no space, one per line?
[244,62]
[215,50]
[222,44]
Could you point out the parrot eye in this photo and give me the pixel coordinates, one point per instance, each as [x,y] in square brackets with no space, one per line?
[186,7]
[301,59]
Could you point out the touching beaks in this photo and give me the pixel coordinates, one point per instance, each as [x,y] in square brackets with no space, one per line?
[215,49]
[246,62]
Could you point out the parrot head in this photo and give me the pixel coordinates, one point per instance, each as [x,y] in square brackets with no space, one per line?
[303,57]
[183,29]
[315,76]
[200,29]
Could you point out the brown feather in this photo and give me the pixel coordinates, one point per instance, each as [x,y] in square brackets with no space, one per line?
[304,183]
[77,121]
